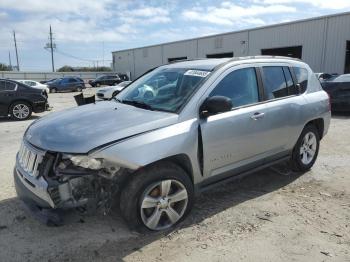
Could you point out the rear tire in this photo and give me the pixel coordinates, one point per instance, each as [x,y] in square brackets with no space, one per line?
[153,193]
[306,149]
[20,111]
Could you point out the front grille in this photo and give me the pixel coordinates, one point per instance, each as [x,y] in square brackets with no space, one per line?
[29,159]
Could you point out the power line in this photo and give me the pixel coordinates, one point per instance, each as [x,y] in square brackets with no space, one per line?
[79,58]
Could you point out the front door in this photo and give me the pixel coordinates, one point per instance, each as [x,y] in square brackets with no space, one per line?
[236,138]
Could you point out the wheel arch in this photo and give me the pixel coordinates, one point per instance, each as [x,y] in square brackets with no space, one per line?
[20,100]
[319,124]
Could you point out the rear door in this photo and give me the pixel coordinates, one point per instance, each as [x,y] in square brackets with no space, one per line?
[72,83]
[7,94]
[283,108]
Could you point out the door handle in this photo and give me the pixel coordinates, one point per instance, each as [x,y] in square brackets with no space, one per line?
[257,116]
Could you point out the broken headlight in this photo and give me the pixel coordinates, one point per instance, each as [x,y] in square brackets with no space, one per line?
[85,161]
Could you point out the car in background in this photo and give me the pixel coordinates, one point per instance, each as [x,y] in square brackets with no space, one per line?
[18,100]
[325,76]
[110,91]
[338,89]
[35,84]
[46,81]
[109,80]
[66,84]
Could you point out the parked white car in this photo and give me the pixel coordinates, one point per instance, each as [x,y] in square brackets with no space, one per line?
[35,84]
[109,91]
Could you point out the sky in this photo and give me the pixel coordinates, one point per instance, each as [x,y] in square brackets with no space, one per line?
[85,31]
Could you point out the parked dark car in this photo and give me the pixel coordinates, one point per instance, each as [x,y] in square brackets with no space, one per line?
[325,76]
[19,101]
[66,84]
[338,89]
[109,80]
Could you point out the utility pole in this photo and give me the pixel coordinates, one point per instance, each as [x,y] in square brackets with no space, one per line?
[14,39]
[103,53]
[53,64]
[10,64]
[51,45]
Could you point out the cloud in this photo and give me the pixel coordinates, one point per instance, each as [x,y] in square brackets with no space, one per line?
[230,14]
[335,4]
[146,16]
[80,20]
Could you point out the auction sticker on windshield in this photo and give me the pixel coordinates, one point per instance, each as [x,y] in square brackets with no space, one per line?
[197,73]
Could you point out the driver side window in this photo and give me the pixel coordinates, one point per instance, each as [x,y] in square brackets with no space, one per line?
[240,86]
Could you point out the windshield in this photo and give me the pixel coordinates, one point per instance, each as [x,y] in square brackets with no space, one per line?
[163,89]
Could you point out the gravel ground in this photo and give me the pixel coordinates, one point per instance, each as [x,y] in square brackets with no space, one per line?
[268,216]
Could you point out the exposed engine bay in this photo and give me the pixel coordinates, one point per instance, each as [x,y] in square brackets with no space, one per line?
[80,181]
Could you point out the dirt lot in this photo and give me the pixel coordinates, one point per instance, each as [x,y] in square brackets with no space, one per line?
[267,216]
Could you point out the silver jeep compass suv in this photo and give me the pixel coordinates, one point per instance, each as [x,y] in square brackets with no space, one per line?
[171,133]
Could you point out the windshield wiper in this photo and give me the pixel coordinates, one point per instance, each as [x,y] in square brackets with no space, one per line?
[137,104]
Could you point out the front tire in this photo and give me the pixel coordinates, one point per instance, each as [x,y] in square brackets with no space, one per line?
[20,111]
[306,149]
[157,198]
[79,89]
[53,90]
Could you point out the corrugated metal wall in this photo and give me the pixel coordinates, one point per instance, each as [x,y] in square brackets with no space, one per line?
[308,34]
[323,42]
[337,34]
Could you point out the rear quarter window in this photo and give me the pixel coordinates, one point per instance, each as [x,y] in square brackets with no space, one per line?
[302,76]
[7,86]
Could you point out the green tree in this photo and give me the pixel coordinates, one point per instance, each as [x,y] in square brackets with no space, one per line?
[4,67]
[65,69]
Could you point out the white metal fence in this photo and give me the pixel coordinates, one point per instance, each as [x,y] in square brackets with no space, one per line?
[39,76]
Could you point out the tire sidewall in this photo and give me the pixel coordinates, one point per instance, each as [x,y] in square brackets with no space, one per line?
[298,165]
[131,199]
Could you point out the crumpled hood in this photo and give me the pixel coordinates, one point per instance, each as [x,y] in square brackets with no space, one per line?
[81,129]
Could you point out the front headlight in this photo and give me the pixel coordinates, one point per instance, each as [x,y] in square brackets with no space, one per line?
[85,161]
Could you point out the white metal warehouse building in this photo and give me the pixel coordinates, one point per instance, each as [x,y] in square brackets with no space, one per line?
[322,42]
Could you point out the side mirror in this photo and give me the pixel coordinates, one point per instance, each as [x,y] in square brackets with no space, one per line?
[214,105]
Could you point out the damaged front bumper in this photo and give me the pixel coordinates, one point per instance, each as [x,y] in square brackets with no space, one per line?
[42,184]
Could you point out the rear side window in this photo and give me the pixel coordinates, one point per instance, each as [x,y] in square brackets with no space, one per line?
[301,75]
[275,85]
[240,85]
[7,86]
[292,90]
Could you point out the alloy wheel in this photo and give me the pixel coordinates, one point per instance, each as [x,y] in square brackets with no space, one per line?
[308,148]
[21,111]
[163,204]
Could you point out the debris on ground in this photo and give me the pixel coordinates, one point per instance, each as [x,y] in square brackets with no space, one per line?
[326,253]
[325,194]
